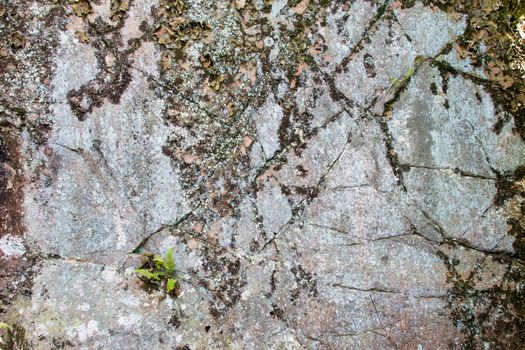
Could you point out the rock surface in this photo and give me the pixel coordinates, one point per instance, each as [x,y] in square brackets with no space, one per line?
[325,173]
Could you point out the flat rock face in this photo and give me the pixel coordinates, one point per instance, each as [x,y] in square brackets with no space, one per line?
[325,176]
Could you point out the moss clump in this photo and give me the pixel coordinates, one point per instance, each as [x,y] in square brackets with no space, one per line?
[119,8]
[81,8]
[14,338]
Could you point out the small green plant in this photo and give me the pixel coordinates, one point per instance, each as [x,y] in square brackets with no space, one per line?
[4,326]
[160,272]
[513,8]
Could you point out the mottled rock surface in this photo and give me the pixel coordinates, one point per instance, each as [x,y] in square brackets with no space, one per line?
[329,175]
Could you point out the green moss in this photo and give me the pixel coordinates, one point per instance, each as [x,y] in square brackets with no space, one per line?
[15,339]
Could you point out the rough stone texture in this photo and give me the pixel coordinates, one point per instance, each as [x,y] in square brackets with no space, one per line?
[323,181]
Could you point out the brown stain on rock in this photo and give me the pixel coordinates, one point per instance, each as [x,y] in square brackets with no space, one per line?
[11,184]
[13,268]
[23,69]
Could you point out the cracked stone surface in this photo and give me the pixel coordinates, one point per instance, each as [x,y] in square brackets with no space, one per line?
[329,175]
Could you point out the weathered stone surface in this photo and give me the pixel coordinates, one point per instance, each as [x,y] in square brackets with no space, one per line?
[421,23]
[328,176]
[112,184]
[377,66]
[71,308]
[452,129]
